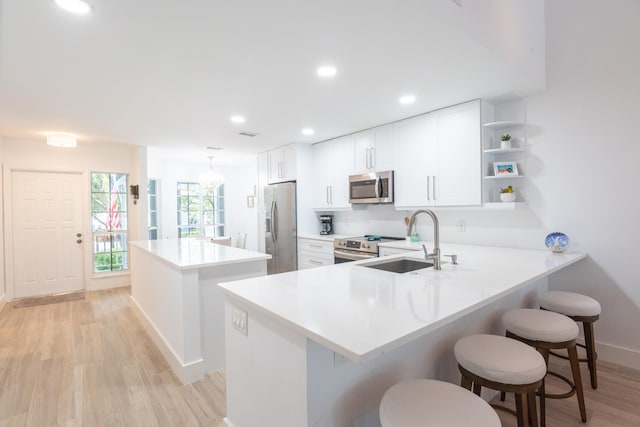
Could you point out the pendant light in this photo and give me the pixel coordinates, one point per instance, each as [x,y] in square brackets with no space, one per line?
[211,180]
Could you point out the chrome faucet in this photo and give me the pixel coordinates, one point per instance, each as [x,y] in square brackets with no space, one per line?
[435,256]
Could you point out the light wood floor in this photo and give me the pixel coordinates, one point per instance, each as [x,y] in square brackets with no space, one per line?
[90,363]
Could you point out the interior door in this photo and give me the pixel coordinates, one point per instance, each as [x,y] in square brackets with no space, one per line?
[47,233]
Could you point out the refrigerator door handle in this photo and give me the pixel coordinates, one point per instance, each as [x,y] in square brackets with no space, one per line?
[273,204]
[275,226]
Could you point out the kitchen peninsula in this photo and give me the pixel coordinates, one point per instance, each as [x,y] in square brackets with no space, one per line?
[322,345]
[174,288]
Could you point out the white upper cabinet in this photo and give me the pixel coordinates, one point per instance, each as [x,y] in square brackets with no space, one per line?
[458,138]
[282,164]
[373,149]
[332,165]
[438,158]
[415,155]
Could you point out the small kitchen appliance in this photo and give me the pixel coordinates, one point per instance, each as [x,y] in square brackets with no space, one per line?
[326,224]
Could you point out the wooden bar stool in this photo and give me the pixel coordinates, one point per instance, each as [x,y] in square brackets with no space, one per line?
[580,308]
[502,364]
[546,331]
[423,403]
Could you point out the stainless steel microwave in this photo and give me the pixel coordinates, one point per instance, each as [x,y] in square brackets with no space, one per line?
[371,188]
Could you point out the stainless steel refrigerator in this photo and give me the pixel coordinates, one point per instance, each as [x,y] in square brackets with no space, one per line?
[280,227]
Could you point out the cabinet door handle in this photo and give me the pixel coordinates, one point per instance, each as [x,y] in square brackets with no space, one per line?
[434,187]
[428,188]
[366,158]
[371,153]
[313,261]
[326,194]
[331,194]
[314,246]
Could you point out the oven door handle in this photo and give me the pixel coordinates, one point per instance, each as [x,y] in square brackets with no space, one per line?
[353,256]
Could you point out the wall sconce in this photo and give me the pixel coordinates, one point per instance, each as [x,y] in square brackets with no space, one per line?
[135,192]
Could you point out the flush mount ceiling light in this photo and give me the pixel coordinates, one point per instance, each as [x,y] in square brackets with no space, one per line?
[61,140]
[237,119]
[79,7]
[407,99]
[327,71]
[211,180]
[307,131]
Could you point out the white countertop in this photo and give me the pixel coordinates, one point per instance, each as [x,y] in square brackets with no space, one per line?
[191,253]
[361,312]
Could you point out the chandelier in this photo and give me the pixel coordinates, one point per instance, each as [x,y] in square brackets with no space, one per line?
[211,180]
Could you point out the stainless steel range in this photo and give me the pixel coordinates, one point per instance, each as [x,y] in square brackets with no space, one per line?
[358,248]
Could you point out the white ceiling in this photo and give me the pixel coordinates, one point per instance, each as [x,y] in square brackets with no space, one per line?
[170,73]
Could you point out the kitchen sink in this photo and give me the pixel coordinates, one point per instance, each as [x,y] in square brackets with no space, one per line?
[402,265]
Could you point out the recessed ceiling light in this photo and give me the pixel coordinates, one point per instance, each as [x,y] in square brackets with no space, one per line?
[79,7]
[327,71]
[61,140]
[307,131]
[237,119]
[407,99]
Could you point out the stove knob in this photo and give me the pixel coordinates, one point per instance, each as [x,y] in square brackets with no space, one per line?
[365,245]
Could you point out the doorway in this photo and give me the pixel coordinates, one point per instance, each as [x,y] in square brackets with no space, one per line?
[47,233]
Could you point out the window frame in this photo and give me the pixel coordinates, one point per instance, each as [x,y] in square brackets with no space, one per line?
[196,195]
[110,237]
[156,211]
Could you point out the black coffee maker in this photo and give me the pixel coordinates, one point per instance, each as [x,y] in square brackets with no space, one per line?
[326,224]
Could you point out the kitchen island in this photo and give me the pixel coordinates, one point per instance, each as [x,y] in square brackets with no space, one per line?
[322,345]
[174,288]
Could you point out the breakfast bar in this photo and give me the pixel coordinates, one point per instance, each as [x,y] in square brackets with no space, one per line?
[319,347]
[174,289]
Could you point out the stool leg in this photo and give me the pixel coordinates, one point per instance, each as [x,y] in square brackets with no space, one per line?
[590,346]
[465,383]
[533,413]
[577,380]
[476,388]
[503,396]
[522,413]
[543,402]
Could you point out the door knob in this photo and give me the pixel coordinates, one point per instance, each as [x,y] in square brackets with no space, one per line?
[79,241]
[79,235]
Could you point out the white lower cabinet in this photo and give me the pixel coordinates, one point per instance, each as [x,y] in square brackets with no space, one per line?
[314,253]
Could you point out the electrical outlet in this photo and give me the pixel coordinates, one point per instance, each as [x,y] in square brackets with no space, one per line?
[239,320]
[462,225]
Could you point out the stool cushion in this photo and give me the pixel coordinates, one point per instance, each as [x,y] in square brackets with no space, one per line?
[540,325]
[569,303]
[420,403]
[500,359]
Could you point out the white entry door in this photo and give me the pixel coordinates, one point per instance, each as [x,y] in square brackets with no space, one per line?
[47,233]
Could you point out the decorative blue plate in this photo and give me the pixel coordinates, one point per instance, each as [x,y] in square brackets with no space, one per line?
[557,242]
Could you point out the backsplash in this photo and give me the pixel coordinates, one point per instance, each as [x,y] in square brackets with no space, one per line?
[506,228]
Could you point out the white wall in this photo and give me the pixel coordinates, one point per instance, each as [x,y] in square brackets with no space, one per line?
[87,157]
[582,169]
[239,183]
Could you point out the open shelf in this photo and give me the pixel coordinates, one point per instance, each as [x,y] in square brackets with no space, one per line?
[503,177]
[502,150]
[505,205]
[501,125]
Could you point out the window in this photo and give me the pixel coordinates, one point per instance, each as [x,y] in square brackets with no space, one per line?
[200,212]
[152,190]
[109,221]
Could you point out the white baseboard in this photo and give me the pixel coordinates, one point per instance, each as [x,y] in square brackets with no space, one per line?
[227,422]
[186,373]
[622,356]
[3,297]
